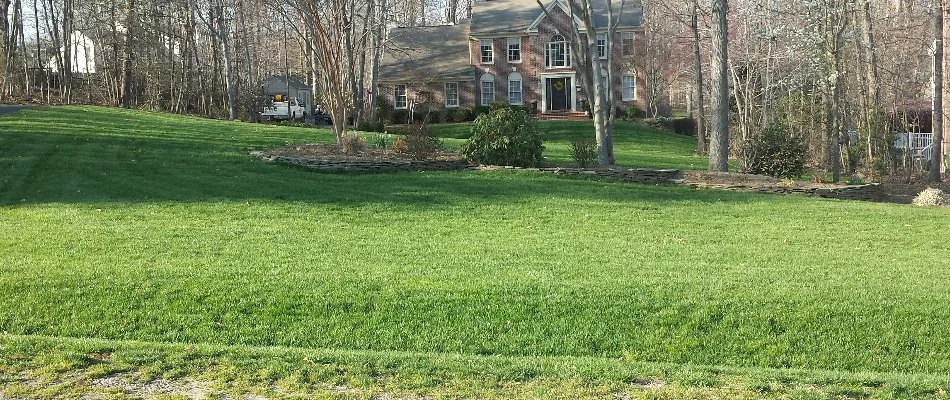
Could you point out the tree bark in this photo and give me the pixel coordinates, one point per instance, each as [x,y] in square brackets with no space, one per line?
[379,21]
[873,98]
[699,97]
[451,11]
[936,147]
[66,85]
[4,46]
[125,91]
[719,136]
[224,35]
[590,69]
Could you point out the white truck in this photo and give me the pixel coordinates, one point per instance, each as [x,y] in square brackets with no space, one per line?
[284,109]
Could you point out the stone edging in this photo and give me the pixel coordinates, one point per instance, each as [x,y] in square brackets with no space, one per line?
[869,192]
[366,165]
[638,175]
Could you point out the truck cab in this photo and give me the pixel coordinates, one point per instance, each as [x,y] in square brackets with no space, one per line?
[284,108]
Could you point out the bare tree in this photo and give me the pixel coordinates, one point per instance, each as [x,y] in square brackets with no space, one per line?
[331,27]
[4,45]
[451,11]
[936,146]
[125,92]
[590,67]
[699,97]
[223,31]
[719,136]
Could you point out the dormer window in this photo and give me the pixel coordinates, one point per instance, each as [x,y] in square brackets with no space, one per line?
[556,53]
[487,52]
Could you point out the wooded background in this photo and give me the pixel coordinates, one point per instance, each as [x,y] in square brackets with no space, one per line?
[824,68]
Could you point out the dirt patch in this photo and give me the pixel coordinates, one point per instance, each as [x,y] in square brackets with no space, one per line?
[187,388]
[333,152]
[886,192]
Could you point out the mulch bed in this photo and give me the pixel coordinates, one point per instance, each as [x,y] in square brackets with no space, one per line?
[891,192]
[332,152]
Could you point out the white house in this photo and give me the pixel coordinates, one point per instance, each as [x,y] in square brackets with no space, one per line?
[83,57]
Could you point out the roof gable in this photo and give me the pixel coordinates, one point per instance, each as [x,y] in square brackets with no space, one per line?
[423,54]
[500,17]
[547,10]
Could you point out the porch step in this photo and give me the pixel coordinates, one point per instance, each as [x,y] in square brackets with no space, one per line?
[561,116]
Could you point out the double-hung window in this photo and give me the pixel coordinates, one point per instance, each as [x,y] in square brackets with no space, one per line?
[514,89]
[451,94]
[602,45]
[488,89]
[401,98]
[487,51]
[514,49]
[626,43]
[629,87]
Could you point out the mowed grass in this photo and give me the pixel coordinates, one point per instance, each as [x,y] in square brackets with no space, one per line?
[124,225]
[635,145]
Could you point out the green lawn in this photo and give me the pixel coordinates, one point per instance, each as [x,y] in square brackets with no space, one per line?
[145,233]
[635,145]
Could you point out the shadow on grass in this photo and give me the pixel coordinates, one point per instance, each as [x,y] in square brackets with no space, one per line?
[89,155]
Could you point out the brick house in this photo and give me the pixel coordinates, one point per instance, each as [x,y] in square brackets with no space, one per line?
[510,50]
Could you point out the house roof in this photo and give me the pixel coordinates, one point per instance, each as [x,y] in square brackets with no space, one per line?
[423,54]
[498,17]
[279,84]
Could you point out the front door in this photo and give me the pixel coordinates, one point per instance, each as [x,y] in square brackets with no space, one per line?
[559,97]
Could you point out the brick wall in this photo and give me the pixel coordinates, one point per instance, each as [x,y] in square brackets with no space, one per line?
[532,65]
[429,94]
[531,69]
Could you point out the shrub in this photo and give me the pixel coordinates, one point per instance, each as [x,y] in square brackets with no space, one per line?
[681,126]
[505,137]
[419,142]
[437,116]
[775,152]
[463,115]
[367,126]
[399,117]
[634,112]
[384,110]
[499,104]
[450,114]
[479,110]
[352,144]
[584,152]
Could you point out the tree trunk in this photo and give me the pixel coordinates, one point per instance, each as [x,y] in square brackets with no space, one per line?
[66,73]
[698,86]
[871,92]
[719,136]
[4,46]
[125,91]
[451,11]
[589,68]
[224,34]
[936,153]
[379,24]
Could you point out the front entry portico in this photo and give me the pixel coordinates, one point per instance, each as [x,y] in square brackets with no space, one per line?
[560,92]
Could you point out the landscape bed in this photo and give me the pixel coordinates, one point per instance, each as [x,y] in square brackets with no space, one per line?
[140,235]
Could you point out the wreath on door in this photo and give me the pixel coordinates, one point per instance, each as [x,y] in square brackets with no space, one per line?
[559,85]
